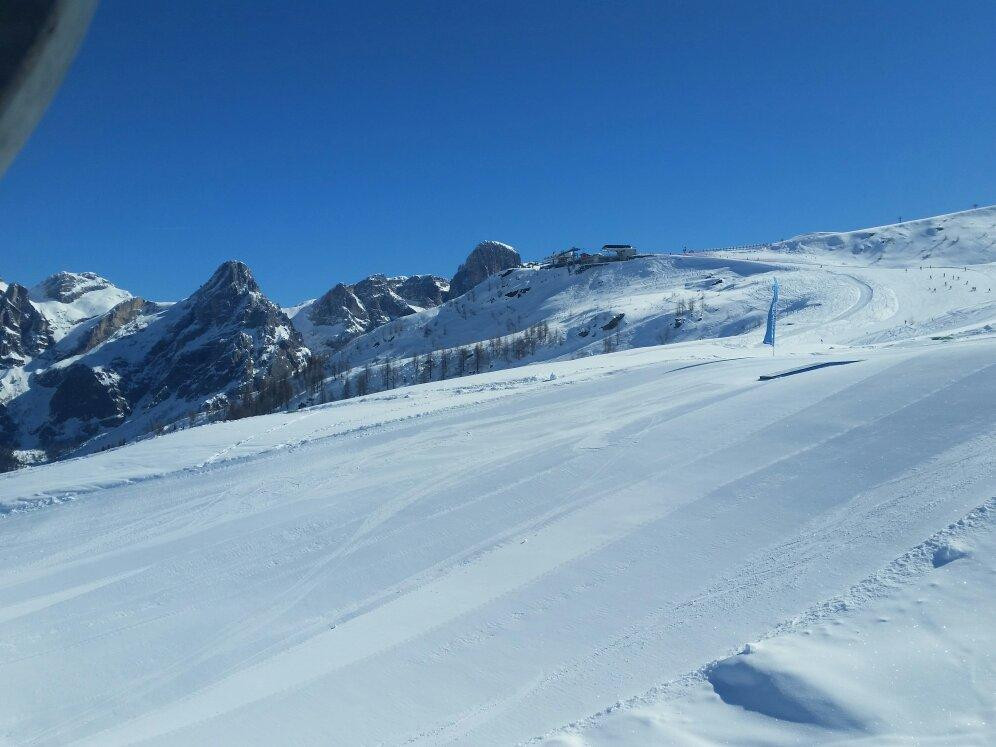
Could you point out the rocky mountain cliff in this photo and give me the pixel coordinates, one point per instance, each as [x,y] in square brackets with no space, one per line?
[24,332]
[225,336]
[137,365]
[488,258]
[348,311]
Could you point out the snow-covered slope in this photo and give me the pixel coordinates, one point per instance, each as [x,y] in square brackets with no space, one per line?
[915,279]
[500,555]
[633,304]
[956,239]
[575,551]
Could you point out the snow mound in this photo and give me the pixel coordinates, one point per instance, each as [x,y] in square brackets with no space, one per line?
[761,683]
[948,552]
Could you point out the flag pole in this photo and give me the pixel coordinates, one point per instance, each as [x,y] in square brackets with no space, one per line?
[769,332]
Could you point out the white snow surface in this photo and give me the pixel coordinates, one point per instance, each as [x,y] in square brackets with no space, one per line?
[964,238]
[645,547]
[907,656]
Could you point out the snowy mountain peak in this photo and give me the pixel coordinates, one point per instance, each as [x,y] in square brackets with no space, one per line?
[121,366]
[67,287]
[66,299]
[233,277]
[232,295]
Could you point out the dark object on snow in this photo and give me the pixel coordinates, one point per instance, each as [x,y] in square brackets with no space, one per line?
[613,322]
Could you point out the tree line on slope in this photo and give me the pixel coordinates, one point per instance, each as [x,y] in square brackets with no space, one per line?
[346,382]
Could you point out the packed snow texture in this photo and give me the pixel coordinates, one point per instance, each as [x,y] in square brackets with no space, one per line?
[645,547]
[908,656]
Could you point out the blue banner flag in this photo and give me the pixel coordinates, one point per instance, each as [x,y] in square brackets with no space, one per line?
[769,333]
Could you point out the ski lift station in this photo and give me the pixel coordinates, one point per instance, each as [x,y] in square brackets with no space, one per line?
[575,256]
[621,251]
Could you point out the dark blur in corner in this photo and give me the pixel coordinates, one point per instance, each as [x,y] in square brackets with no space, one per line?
[38,41]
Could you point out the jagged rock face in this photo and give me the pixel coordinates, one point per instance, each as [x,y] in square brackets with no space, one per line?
[338,305]
[67,287]
[109,323]
[224,336]
[24,332]
[424,291]
[88,394]
[351,310]
[140,365]
[487,259]
[85,401]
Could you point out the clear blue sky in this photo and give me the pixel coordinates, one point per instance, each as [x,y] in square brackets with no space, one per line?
[323,141]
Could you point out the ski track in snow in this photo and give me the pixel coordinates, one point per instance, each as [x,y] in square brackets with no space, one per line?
[283,666]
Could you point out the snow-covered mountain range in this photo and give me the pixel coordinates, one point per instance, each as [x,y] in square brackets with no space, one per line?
[697,540]
[85,365]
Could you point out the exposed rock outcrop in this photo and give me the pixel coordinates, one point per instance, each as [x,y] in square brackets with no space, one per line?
[347,311]
[423,291]
[88,394]
[8,429]
[488,258]
[24,332]
[86,401]
[107,324]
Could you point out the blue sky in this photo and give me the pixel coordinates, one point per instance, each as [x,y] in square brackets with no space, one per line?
[324,141]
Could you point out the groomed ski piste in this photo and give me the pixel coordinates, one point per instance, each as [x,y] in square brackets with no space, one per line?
[651,546]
